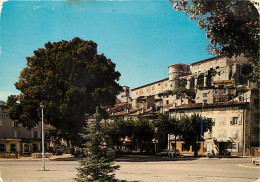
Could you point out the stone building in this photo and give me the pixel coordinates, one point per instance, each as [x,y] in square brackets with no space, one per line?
[124,96]
[14,138]
[217,85]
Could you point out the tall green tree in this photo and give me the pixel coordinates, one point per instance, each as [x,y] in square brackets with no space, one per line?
[143,133]
[99,166]
[163,126]
[232,27]
[192,129]
[70,78]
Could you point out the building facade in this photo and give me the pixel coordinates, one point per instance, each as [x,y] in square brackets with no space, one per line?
[14,138]
[214,88]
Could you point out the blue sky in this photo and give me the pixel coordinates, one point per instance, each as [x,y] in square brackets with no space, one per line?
[142,37]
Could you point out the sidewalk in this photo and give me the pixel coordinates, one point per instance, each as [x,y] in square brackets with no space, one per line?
[124,158]
[65,157]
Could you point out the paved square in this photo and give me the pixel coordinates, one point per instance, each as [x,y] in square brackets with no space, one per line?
[224,170]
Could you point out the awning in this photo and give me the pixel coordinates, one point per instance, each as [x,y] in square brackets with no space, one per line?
[222,139]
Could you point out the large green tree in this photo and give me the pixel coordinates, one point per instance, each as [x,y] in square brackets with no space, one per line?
[192,129]
[232,27]
[70,78]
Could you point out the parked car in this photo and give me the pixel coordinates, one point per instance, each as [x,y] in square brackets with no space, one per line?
[173,153]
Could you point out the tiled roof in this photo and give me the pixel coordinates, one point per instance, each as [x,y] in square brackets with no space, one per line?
[168,105]
[199,105]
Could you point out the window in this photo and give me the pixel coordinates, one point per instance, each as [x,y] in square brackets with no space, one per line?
[15,134]
[257,116]
[256,102]
[2,148]
[173,145]
[26,148]
[136,93]
[165,84]
[234,120]
[235,134]
[167,101]
[205,94]
[13,147]
[185,147]
[225,91]
[35,147]
[205,101]
[152,88]
[216,92]
[15,123]
[222,133]
[35,134]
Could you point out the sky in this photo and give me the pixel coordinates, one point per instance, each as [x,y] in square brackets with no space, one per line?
[143,37]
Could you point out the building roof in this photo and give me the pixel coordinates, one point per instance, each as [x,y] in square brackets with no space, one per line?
[150,84]
[206,60]
[199,105]
[168,105]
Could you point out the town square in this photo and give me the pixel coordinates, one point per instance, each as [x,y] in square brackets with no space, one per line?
[129,90]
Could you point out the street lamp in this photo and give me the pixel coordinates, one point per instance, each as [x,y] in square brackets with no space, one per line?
[43,153]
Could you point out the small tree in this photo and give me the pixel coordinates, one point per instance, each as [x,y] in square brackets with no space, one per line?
[99,166]
[192,129]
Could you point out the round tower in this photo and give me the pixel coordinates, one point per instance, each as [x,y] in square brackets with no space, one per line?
[175,72]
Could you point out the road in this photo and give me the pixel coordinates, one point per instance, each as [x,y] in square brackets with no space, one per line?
[224,170]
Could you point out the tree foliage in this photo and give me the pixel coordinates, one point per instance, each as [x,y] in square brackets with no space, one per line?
[143,133]
[70,78]
[192,129]
[164,126]
[119,129]
[232,27]
[99,166]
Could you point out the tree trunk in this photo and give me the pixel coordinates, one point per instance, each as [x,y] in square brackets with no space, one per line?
[194,146]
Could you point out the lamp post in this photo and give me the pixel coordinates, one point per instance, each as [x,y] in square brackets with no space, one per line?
[43,153]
